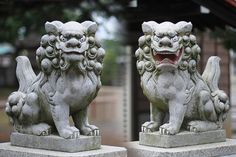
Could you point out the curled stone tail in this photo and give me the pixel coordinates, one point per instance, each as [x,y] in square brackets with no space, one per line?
[16,100]
[211,73]
[211,76]
[24,73]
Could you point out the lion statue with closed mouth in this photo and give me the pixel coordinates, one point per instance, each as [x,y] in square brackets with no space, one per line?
[70,61]
[180,98]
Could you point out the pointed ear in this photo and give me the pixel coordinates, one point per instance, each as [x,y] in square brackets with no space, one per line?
[183,27]
[90,26]
[53,27]
[147,27]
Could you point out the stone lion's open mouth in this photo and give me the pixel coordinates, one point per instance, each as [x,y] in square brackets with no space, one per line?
[167,56]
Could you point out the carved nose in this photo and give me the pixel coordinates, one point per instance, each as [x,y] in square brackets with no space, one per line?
[73,43]
[165,41]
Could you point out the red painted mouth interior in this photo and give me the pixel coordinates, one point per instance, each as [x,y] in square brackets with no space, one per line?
[166,56]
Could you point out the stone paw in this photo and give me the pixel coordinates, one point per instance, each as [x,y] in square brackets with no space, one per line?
[193,126]
[46,132]
[41,129]
[149,126]
[200,126]
[90,130]
[168,129]
[69,132]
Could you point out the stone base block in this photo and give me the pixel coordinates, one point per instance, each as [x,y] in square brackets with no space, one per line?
[184,138]
[204,150]
[53,142]
[7,150]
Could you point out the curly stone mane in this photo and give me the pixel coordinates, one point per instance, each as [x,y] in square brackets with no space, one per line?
[70,62]
[167,60]
[49,58]
[189,60]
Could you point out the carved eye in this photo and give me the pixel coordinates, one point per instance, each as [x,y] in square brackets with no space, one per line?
[82,39]
[62,38]
[175,38]
[156,38]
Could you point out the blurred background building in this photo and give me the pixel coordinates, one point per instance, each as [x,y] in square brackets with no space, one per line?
[120,108]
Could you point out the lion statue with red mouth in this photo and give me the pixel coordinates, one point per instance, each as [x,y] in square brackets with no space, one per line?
[70,62]
[180,98]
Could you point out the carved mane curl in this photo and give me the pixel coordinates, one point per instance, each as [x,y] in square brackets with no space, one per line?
[48,56]
[189,59]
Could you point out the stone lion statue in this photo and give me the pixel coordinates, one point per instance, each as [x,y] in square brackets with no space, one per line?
[70,62]
[179,96]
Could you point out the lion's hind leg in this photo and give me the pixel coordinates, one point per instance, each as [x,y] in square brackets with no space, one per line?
[41,129]
[201,126]
[24,112]
[81,122]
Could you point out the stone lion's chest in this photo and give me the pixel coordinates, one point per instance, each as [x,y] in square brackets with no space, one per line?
[164,86]
[79,88]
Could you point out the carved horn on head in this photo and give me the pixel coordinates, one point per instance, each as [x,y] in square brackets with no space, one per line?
[147,27]
[90,26]
[53,27]
[183,27]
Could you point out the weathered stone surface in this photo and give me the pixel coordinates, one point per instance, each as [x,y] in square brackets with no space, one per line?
[70,60]
[205,150]
[167,61]
[6,150]
[184,138]
[52,142]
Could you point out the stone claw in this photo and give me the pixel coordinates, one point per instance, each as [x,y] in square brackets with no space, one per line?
[41,129]
[192,129]
[164,131]
[45,133]
[97,132]
[149,126]
[94,131]
[74,135]
[193,126]
[90,130]
[168,129]
[200,126]
[70,132]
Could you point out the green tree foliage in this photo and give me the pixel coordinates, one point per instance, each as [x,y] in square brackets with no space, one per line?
[32,14]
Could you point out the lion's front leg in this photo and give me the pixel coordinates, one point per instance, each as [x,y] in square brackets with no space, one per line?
[156,118]
[81,122]
[60,113]
[177,112]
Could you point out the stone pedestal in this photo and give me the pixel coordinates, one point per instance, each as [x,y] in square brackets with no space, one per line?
[52,142]
[204,150]
[184,138]
[24,145]
[7,150]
